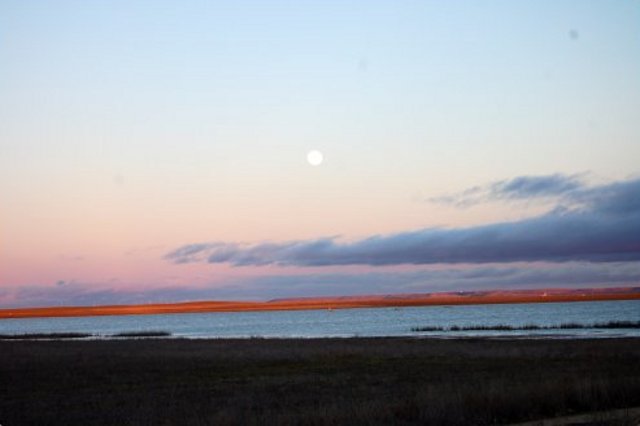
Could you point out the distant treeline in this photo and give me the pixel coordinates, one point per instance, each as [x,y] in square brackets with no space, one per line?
[504,327]
[126,334]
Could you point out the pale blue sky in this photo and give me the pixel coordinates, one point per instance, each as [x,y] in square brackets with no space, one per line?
[452,84]
[136,124]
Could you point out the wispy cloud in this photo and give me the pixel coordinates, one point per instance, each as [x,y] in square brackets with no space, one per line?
[518,188]
[598,224]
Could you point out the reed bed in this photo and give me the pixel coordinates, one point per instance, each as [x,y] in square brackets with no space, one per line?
[526,327]
[66,336]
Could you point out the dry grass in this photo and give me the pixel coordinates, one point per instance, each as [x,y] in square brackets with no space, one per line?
[65,336]
[151,333]
[505,327]
[38,336]
[390,381]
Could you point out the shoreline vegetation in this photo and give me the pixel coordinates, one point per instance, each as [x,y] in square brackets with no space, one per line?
[533,327]
[428,328]
[345,302]
[360,381]
[66,336]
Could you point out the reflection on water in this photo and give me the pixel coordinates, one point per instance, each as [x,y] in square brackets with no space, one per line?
[353,322]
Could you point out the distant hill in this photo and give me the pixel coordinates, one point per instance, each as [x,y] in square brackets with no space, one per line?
[340,302]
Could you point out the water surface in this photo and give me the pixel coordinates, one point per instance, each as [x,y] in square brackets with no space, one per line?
[352,322]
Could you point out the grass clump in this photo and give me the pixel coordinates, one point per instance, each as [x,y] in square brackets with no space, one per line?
[149,333]
[427,328]
[618,324]
[73,335]
[529,327]
[568,326]
[36,336]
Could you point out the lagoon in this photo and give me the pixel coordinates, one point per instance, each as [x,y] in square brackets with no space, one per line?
[362,322]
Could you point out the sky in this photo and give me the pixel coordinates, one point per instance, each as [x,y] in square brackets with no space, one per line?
[156,151]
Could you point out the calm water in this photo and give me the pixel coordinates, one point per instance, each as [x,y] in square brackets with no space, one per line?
[351,322]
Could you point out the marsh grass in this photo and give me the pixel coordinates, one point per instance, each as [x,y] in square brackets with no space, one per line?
[65,336]
[37,336]
[390,381]
[151,333]
[504,327]
[618,324]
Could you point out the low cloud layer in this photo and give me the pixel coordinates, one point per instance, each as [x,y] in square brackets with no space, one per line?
[595,224]
[485,277]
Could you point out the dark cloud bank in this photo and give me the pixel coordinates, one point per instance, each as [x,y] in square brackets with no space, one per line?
[594,224]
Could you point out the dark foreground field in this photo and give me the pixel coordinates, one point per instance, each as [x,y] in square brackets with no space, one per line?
[313,382]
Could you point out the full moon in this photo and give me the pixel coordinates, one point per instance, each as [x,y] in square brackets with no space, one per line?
[315,158]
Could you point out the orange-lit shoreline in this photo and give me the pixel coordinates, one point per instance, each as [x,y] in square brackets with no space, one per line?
[346,302]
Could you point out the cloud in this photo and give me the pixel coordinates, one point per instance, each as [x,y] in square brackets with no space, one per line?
[455,278]
[536,186]
[570,275]
[619,198]
[478,278]
[518,188]
[597,224]
[83,294]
